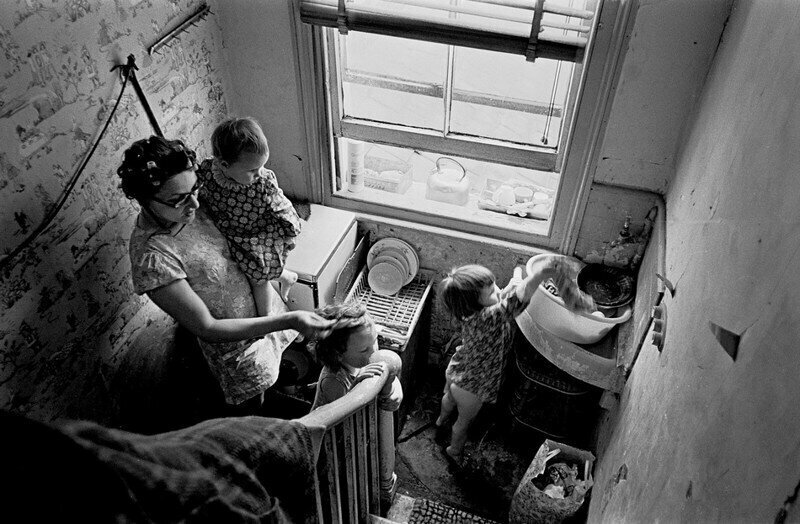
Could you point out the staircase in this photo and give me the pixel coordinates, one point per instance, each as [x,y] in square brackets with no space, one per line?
[354,442]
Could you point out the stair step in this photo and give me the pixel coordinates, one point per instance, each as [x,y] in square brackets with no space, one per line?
[400,511]
[375,519]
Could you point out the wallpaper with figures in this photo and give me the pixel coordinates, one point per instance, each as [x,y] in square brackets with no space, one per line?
[67,310]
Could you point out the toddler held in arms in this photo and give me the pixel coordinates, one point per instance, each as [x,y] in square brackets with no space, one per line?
[473,376]
[345,354]
[247,206]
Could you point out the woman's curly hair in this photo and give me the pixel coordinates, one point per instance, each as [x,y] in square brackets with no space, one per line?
[349,317]
[460,291]
[150,162]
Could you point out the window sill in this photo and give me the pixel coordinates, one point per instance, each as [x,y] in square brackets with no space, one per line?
[468,221]
[522,249]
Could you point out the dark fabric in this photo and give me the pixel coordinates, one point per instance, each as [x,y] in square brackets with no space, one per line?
[46,477]
[231,470]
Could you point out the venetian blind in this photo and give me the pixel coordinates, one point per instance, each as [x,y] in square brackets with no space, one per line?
[537,29]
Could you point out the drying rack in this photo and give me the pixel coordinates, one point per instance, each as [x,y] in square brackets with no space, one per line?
[396,314]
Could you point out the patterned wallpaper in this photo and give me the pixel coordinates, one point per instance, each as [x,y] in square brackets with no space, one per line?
[67,311]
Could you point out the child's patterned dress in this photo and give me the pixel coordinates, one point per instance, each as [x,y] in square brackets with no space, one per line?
[257,220]
[478,363]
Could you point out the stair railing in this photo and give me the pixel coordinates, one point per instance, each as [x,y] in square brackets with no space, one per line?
[354,442]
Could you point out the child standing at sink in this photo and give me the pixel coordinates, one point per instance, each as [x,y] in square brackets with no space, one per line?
[248,207]
[469,293]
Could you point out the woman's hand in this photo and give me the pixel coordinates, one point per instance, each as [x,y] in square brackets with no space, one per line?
[311,325]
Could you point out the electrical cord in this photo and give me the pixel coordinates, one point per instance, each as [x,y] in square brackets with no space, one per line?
[74,180]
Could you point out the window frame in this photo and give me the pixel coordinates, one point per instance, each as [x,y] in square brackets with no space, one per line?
[578,147]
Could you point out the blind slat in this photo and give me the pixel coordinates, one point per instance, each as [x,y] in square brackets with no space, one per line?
[477,32]
[521,17]
[549,7]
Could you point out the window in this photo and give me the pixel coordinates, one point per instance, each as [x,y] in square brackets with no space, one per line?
[462,136]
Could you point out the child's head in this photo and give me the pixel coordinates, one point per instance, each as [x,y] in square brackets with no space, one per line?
[467,290]
[353,339]
[241,148]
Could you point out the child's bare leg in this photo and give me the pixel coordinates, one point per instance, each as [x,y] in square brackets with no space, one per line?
[261,296]
[285,283]
[468,407]
[448,405]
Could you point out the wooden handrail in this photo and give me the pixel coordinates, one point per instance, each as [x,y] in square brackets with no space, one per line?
[329,415]
[356,477]
[325,417]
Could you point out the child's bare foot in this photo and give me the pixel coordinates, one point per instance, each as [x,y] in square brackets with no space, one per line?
[452,456]
[285,283]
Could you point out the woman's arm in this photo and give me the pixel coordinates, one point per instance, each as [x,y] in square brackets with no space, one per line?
[180,301]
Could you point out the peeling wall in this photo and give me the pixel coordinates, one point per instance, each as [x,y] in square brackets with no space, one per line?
[264,83]
[669,51]
[704,437]
[67,303]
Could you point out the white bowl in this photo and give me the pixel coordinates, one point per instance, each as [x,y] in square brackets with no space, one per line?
[578,327]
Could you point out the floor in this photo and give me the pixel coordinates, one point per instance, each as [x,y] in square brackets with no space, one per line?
[497,454]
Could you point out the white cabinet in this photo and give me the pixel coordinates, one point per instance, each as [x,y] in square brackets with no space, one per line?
[326,241]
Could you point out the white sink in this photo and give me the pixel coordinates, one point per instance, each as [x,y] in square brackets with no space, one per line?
[551,314]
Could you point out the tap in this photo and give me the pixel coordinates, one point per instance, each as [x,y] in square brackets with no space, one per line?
[625,233]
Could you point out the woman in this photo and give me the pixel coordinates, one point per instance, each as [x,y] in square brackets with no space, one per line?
[181,261]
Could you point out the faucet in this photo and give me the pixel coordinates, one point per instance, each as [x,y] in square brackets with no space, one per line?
[625,233]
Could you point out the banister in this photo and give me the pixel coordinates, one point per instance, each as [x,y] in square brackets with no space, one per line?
[358,397]
[327,416]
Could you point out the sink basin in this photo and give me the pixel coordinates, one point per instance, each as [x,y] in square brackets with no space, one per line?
[555,332]
[579,327]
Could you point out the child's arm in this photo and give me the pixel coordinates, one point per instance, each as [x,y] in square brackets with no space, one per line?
[280,206]
[392,401]
[542,269]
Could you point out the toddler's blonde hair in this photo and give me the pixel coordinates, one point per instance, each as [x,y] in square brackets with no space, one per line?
[460,291]
[236,136]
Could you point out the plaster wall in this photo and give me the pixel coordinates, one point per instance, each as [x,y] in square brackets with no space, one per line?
[669,50]
[68,312]
[261,81]
[704,437]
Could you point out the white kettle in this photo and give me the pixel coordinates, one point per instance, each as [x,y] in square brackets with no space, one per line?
[448,183]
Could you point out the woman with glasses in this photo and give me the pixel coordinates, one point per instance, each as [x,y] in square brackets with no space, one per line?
[180,260]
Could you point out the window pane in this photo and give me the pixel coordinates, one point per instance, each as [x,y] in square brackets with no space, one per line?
[502,96]
[393,80]
[402,178]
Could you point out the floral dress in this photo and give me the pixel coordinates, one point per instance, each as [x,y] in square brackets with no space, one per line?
[478,363]
[198,253]
[257,220]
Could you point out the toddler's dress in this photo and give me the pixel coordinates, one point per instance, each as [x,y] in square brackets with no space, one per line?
[257,220]
[478,363]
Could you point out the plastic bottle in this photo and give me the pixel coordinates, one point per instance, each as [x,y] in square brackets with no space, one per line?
[355,165]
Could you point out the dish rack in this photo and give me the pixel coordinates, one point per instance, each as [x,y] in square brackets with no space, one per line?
[396,314]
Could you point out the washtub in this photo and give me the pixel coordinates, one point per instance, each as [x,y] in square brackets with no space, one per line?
[577,343]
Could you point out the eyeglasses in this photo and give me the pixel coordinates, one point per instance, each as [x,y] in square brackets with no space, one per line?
[181,199]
